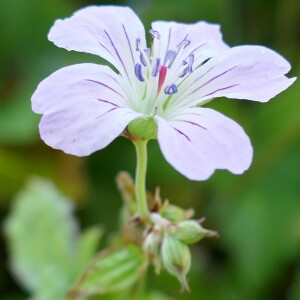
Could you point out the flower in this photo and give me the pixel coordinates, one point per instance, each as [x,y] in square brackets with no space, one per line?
[86,106]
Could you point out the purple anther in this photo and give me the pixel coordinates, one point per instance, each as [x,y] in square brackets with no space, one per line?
[154,34]
[190,63]
[137,42]
[148,52]
[189,68]
[170,89]
[142,56]
[169,58]
[156,66]
[184,44]
[138,72]
[184,72]
[142,59]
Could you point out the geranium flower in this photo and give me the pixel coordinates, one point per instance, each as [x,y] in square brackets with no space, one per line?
[86,106]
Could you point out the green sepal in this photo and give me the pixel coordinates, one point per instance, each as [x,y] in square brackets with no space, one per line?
[191,232]
[143,128]
[176,258]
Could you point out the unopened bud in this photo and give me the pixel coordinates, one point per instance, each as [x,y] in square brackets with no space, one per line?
[190,232]
[176,257]
[175,213]
[151,247]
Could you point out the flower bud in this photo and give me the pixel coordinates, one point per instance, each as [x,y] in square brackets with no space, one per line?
[176,257]
[190,232]
[143,128]
[175,213]
[151,247]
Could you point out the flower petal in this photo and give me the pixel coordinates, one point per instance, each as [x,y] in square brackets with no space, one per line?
[201,140]
[108,31]
[245,72]
[90,81]
[84,129]
[84,108]
[204,40]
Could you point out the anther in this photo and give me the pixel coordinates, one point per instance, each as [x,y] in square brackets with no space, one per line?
[183,44]
[137,43]
[144,53]
[189,68]
[170,57]
[148,52]
[138,72]
[171,89]
[183,73]
[190,63]
[154,34]
[156,67]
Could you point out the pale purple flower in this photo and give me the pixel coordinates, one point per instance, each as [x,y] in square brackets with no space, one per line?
[86,106]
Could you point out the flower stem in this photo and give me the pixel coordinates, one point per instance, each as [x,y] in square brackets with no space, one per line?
[140,179]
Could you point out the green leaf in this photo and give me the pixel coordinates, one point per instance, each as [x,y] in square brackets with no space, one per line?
[41,234]
[87,247]
[111,271]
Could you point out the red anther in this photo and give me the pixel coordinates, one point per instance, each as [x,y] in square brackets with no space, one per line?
[161,77]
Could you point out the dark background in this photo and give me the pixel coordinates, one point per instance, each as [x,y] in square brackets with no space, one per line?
[257,214]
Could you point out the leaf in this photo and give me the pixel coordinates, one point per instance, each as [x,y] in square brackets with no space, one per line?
[87,247]
[41,234]
[111,271]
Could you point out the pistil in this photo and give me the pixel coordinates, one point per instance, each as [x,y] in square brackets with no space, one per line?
[161,77]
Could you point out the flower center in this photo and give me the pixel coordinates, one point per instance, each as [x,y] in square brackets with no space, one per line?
[153,70]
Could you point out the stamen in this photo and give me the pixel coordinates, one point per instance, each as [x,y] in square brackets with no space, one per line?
[170,56]
[189,68]
[142,59]
[156,67]
[171,89]
[138,72]
[143,55]
[183,44]
[148,52]
[154,34]
[137,43]
[191,61]
[162,77]
[184,72]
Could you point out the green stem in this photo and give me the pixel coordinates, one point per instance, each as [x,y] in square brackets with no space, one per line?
[140,179]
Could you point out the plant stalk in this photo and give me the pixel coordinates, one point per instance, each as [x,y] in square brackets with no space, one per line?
[140,180]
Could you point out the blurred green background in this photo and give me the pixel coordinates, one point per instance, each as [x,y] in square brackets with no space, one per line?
[257,214]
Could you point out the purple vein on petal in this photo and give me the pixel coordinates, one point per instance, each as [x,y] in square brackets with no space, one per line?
[116,81]
[113,45]
[183,134]
[202,75]
[110,88]
[221,89]
[198,47]
[106,101]
[107,112]
[105,48]
[212,79]
[128,43]
[192,123]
